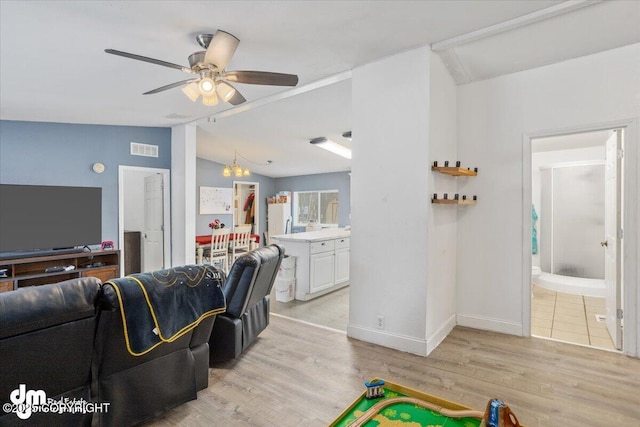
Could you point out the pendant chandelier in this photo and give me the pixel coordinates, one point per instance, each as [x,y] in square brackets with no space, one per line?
[235,170]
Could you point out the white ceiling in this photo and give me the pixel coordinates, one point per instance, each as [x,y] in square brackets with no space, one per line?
[53,66]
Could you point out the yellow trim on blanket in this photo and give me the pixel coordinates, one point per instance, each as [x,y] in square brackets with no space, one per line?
[177,335]
[157,275]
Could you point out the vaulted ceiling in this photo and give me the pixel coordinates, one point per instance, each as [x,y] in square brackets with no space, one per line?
[53,66]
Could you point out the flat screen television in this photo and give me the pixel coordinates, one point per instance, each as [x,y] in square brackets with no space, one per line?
[37,219]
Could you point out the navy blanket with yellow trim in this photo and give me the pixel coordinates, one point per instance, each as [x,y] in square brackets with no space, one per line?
[163,305]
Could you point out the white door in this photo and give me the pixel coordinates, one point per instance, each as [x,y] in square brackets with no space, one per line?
[153,256]
[612,244]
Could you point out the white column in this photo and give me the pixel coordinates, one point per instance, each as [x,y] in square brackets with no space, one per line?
[389,198]
[183,194]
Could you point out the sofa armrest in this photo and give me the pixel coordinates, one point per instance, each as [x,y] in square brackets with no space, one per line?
[226,339]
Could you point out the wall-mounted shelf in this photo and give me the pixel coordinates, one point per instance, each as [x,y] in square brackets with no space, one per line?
[455,171]
[453,201]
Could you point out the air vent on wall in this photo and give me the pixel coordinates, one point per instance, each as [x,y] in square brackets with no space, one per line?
[147,150]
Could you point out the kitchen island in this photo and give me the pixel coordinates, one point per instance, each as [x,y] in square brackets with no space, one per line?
[322,263]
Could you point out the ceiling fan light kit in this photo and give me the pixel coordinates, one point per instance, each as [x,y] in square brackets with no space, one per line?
[192,91]
[210,100]
[210,67]
[331,146]
[225,90]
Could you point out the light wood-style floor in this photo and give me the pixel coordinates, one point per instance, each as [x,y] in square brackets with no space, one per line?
[330,310]
[297,374]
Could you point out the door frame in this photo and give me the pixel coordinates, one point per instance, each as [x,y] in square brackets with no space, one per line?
[166,195]
[256,216]
[630,217]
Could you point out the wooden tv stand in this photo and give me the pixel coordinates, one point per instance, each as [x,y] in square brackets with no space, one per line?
[31,271]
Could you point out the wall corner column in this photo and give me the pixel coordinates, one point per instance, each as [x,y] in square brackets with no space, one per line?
[183,194]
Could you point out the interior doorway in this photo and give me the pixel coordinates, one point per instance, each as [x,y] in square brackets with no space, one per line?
[144,219]
[576,226]
[246,206]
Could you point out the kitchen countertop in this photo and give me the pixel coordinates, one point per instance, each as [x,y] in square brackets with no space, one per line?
[314,236]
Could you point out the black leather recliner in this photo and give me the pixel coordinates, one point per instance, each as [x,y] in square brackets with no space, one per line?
[246,291]
[46,339]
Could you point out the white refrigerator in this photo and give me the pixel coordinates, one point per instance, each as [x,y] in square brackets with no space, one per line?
[279,218]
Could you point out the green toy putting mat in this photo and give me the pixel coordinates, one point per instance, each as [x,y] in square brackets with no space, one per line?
[401,406]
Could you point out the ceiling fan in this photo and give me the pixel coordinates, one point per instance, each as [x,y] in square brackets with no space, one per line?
[209,65]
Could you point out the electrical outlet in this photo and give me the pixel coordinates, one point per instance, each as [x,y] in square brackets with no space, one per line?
[380,322]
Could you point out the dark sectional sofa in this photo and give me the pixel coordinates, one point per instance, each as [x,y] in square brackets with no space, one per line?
[68,340]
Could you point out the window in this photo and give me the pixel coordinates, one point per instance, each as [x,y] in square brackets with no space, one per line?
[320,207]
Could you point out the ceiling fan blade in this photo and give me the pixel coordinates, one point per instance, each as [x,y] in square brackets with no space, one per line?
[146,59]
[221,49]
[261,78]
[170,86]
[237,98]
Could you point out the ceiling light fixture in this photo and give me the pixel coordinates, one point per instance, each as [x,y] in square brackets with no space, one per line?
[334,147]
[235,170]
[225,90]
[192,91]
[206,84]
[209,89]
[347,135]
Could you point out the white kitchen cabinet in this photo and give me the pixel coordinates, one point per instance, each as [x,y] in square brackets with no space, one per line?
[341,265]
[322,264]
[321,271]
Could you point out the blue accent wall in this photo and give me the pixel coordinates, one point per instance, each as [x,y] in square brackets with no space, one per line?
[209,174]
[62,154]
[324,181]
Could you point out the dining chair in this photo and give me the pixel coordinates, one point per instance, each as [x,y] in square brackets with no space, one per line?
[240,244]
[220,247]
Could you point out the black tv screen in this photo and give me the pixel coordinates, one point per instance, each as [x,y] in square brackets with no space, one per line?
[42,217]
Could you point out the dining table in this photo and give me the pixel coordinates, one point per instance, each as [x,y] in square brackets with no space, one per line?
[205,239]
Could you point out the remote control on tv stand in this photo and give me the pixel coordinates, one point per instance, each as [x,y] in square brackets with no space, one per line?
[58,268]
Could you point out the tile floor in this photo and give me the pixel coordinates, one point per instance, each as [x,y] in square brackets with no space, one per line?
[570,318]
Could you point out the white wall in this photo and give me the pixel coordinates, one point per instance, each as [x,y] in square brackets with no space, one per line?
[442,219]
[496,118]
[389,177]
[402,270]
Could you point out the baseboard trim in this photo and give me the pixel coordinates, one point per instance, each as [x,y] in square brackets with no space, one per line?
[434,340]
[386,339]
[490,324]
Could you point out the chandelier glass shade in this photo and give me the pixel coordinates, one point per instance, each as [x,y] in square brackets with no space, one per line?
[235,169]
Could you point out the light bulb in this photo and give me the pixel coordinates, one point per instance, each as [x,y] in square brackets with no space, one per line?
[207,86]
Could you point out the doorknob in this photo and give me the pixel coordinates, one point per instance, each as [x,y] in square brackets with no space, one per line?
[603,244]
